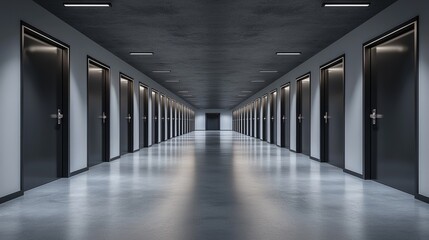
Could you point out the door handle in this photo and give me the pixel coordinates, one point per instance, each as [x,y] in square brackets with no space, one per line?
[59,116]
[374,116]
[144,118]
[326,117]
[129,118]
[103,117]
[300,118]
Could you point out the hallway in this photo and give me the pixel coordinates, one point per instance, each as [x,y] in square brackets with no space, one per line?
[214,185]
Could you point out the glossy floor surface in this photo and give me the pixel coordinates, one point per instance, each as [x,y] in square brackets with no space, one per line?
[214,185]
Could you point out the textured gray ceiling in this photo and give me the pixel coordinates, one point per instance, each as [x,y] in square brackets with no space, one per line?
[215,48]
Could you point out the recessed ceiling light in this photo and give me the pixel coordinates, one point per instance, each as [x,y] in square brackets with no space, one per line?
[346,5]
[172,81]
[246,91]
[288,53]
[183,91]
[161,71]
[241,95]
[187,95]
[141,53]
[257,81]
[268,71]
[82,4]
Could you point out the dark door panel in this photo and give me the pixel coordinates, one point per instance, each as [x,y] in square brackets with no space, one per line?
[303,115]
[98,112]
[273,116]
[258,118]
[44,112]
[143,109]
[264,117]
[285,117]
[390,72]
[332,113]
[155,118]
[126,90]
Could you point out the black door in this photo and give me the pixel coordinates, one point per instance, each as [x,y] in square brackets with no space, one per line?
[173,127]
[126,114]
[303,116]
[155,116]
[247,118]
[390,117]
[181,120]
[212,121]
[264,118]
[162,113]
[273,117]
[258,118]
[98,112]
[168,107]
[285,116]
[185,113]
[144,110]
[44,109]
[332,113]
[252,119]
[178,120]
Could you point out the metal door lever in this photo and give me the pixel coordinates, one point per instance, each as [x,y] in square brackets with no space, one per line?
[300,118]
[326,117]
[129,118]
[374,116]
[103,117]
[59,116]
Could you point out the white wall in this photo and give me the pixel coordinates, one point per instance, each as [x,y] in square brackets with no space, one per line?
[11,15]
[225,119]
[351,45]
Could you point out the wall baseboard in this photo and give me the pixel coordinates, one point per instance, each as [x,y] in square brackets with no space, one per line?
[114,158]
[292,150]
[11,196]
[422,198]
[315,159]
[78,172]
[136,150]
[358,175]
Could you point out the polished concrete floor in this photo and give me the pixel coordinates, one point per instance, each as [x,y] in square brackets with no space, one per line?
[214,185]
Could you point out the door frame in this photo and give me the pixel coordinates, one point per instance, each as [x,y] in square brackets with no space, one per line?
[258,118]
[93,61]
[335,61]
[298,136]
[131,110]
[26,28]
[155,104]
[274,114]
[281,111]
[162,114]
[409,25]
[146,144]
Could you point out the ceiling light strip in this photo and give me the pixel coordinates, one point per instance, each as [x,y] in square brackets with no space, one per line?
[288,53]
[141,53]
[346,4]
[81,4]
